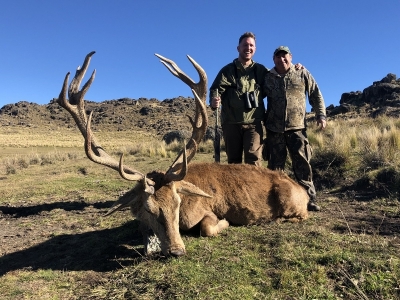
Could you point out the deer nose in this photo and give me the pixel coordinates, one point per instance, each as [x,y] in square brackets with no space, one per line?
[177,252]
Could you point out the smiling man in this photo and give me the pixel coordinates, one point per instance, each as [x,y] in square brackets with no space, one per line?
[286,89]
[237,87]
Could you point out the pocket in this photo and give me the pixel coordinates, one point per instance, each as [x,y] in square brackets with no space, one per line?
[308,150]
[265,150]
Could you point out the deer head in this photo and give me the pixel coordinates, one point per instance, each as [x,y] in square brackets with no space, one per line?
[155,198]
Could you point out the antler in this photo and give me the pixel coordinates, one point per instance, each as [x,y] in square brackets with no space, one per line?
[200,122]
[76,107]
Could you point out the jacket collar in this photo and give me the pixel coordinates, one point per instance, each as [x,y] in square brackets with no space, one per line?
[240,66]
[273,71]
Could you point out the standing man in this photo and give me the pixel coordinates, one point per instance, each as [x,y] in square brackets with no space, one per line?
[286,89]
[237,88]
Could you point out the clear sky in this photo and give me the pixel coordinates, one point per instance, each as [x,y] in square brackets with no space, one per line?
[345,44]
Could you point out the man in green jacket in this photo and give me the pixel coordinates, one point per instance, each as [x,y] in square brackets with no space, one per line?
[238,88]
[286,89]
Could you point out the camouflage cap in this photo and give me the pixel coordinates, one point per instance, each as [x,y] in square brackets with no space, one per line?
[282,48]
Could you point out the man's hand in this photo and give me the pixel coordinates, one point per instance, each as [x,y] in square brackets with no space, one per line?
[215,102]
[299,66]
[321,123]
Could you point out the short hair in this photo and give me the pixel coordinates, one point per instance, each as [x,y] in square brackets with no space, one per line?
[247,35]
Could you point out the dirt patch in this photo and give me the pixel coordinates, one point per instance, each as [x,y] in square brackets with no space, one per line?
[347,215]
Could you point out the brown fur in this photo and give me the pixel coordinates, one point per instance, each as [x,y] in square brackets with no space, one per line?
[243,195]
[238,194]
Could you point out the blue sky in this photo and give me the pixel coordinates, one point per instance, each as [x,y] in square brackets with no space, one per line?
[346,44]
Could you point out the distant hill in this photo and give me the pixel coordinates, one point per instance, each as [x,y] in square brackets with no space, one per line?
[151,115]
[161,117]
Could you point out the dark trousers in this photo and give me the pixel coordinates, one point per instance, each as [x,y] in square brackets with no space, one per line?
[300,151]
[243,139]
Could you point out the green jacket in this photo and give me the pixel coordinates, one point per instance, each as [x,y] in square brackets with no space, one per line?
[286,99]
[232,87]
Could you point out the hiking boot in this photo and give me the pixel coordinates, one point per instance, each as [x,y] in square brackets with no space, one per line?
[312,206]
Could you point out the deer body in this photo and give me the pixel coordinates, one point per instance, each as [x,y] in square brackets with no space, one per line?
[241,194]
[214,195]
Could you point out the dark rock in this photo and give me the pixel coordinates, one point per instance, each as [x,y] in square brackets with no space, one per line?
[389,78]
[381,111]
[144,111]
[341,109]
[210,133]
[354,98]
[178,135]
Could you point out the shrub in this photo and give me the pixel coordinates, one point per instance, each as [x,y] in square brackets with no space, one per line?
[383,182]
[83,170]
[10,169]
[22,163]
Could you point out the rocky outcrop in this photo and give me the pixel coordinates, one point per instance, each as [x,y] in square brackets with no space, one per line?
[382,97]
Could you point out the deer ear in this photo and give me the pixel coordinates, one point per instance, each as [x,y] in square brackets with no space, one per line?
[188,188]
[124,201]
[142,189]
[149,189]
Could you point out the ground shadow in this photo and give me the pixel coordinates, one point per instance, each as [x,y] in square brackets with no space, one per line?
[98,251]
[25,211]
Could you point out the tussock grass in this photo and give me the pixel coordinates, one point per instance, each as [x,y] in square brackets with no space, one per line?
[355,148]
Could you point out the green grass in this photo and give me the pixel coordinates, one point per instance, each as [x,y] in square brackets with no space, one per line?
[271,262]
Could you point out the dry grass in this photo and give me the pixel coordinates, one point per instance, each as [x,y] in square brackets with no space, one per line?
[360,149]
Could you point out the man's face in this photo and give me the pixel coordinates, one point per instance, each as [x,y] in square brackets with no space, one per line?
[246,49]
[282,61]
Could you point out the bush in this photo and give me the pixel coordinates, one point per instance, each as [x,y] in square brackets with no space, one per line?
[10,169]
[329,168]
[384,182]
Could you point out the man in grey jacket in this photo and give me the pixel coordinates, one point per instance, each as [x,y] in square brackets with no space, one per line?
[286,89]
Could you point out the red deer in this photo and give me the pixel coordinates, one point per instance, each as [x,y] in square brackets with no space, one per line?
[208,194]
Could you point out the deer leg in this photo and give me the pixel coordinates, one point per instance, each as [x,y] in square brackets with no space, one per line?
[210,225]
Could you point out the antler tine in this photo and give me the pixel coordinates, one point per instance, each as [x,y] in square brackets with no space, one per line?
[199,125]
[171,176]
[102,158]
[76,107]
[76,96]
[200,122]
[75,104]
[131,177]
[200,87]
[175,70]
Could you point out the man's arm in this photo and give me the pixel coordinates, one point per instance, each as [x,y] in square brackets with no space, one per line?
[218,88]
[316,99]
[314,95]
